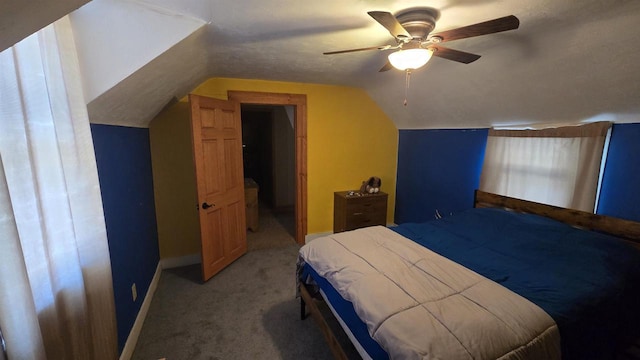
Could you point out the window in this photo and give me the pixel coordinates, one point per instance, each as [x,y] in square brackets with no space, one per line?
[556,166]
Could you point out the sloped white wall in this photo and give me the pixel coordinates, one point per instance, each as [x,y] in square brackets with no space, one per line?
[135,100]
[19,19]
[115,38]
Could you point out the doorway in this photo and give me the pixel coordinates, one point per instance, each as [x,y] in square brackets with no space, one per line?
[297,105]
[268,152]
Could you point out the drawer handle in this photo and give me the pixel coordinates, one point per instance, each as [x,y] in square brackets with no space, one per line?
[358,213]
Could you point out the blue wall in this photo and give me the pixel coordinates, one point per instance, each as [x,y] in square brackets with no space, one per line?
[124,168]
[620,192]
[440,169]
[437,170]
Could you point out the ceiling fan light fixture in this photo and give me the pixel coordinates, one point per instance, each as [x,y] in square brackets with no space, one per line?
[410,59]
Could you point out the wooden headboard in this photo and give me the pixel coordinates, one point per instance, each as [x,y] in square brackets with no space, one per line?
[625,229]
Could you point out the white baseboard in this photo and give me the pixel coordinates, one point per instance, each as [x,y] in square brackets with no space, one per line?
[181,261]
[132,340]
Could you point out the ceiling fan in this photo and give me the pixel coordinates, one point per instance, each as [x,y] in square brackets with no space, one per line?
[415,44]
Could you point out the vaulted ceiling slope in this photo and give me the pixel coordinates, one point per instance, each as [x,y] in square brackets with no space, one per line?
[569,61]
[19,19]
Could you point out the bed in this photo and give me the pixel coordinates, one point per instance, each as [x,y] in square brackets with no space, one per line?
[508,279]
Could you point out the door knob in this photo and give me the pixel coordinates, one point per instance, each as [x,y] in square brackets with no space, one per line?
[206,206]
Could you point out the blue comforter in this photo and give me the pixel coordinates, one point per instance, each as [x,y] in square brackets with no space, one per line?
[586,281]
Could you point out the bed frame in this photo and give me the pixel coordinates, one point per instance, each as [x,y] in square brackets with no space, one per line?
[306,300]
[624,229]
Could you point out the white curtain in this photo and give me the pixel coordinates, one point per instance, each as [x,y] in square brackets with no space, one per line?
[56,292]
[556,166]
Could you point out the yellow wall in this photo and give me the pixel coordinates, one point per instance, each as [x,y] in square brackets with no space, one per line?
[174,182]
[349,139]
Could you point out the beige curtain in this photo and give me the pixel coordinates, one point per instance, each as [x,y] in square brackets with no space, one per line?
[556,166]
[56,292]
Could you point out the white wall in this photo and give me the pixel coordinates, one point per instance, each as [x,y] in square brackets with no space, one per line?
[21,18]
[115,38]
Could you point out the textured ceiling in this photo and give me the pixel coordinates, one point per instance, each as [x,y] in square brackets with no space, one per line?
[569,60]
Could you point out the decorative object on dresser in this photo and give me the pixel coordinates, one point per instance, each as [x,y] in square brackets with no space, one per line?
[251,202]
[353,210]
[371,186]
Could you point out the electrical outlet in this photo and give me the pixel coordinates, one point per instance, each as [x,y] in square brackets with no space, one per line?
[134,292]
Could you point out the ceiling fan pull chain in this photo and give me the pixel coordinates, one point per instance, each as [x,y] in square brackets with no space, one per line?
[406,87]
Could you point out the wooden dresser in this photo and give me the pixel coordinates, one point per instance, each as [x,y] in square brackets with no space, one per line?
[357,211]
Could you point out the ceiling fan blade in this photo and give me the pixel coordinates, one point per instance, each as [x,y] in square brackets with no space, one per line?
[386,67]
[488,27]
[381,47]
[390,22]
[455,55]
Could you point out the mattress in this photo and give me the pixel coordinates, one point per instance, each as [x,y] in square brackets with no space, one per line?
[589,273]
[355,328]
[419,305]
[586,281]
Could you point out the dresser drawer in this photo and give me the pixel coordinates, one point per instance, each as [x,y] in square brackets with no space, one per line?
[359,220]
[363,208]
[353,212]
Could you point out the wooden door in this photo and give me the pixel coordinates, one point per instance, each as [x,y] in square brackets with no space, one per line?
[217,149]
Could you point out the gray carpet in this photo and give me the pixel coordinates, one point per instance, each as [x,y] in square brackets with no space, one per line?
[274,230]
[247,311]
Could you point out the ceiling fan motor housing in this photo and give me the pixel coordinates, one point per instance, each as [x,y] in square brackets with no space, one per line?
[418,22]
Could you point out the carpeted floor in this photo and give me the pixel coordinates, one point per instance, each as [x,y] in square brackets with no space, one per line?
[247,311]
[274,230]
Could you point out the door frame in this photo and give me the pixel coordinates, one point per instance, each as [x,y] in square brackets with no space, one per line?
[299,102]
